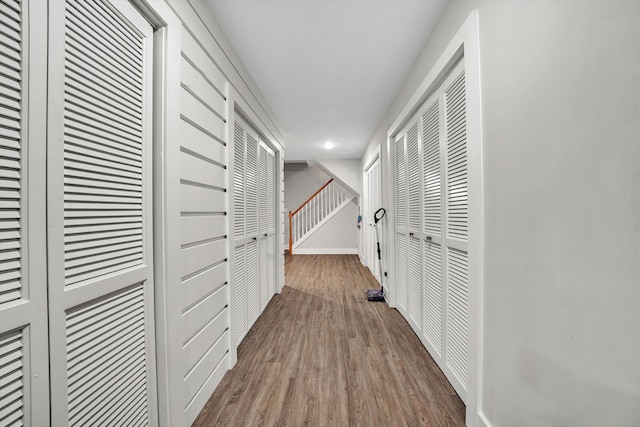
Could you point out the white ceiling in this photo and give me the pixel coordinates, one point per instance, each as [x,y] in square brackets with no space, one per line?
[329,69]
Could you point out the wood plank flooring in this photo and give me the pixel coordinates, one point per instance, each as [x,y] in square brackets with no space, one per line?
[321,355]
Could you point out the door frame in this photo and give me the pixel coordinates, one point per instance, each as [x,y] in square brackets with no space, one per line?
[465,44]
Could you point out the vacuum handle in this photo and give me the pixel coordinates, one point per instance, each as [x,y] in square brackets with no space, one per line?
[378,215]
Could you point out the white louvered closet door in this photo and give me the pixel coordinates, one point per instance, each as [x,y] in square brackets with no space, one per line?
[263,224]
[414,215]
[431,227]
[252,199]
[24,377]
[239,320]
[100,215]
[251,218]
[456,229]
[271,222]
[401,220]
[433,209]
[267,220]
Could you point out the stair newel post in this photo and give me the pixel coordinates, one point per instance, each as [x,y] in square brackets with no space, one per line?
[290,233]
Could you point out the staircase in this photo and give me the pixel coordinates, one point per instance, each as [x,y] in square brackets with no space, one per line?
[316,211]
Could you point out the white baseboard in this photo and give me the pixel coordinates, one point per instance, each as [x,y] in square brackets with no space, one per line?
[325,251]
[482,421]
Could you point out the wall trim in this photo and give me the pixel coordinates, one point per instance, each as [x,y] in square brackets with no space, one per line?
[326,251]
[372,158]
[482,421]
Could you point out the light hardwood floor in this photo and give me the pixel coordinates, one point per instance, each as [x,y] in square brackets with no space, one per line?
[320,355]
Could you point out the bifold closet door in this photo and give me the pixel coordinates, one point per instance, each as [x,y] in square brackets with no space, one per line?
[414,260]
[401,232]
[100,215]
[431,227]
[272,258]
[433,210]
[408,230]
[266,214]
[24,359]
[239,321]
[254,227]
[456,230]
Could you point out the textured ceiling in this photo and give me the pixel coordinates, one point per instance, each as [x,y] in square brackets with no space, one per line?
[329,69]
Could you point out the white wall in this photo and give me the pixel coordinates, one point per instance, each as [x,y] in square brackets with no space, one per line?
[345,171]
[340,232]
[561,125]
[339,235]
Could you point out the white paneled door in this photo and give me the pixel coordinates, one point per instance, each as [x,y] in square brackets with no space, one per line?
[431,216]
[99,208]
[24,360]
[254,184]
[372,202]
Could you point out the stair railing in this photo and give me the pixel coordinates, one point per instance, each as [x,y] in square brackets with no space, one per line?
[316,208]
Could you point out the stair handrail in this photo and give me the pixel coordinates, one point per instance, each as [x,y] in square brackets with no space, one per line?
[291,214]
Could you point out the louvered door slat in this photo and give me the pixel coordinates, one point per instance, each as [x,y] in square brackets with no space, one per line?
[10,154]
[97,93]
[271,225]
[251,185]
[10,108]
[91,38]
[238,180]
[112,28]
[433,295]
[413,178]
[432,187]
[401,267]
[103,59]
[264,272]
[91,396]
[96,176]
[82,120]
[271,260]
[80,190]
[415,282]
[87,99]
[88,240]
[263,220]
[253,285]
[271,193]
[240,294]
[11,40]
[101,233]
[400,183]
[10,16]
[457,313]
[11,379]
[457,203]
[89,112]
[80,62]
[262,190]
[121,31]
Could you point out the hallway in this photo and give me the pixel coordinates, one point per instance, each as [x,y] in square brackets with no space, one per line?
[322,355]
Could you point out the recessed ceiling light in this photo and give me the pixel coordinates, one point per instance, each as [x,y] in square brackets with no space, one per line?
[328,145]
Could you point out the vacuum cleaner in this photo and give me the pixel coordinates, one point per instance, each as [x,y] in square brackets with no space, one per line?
[378,294]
